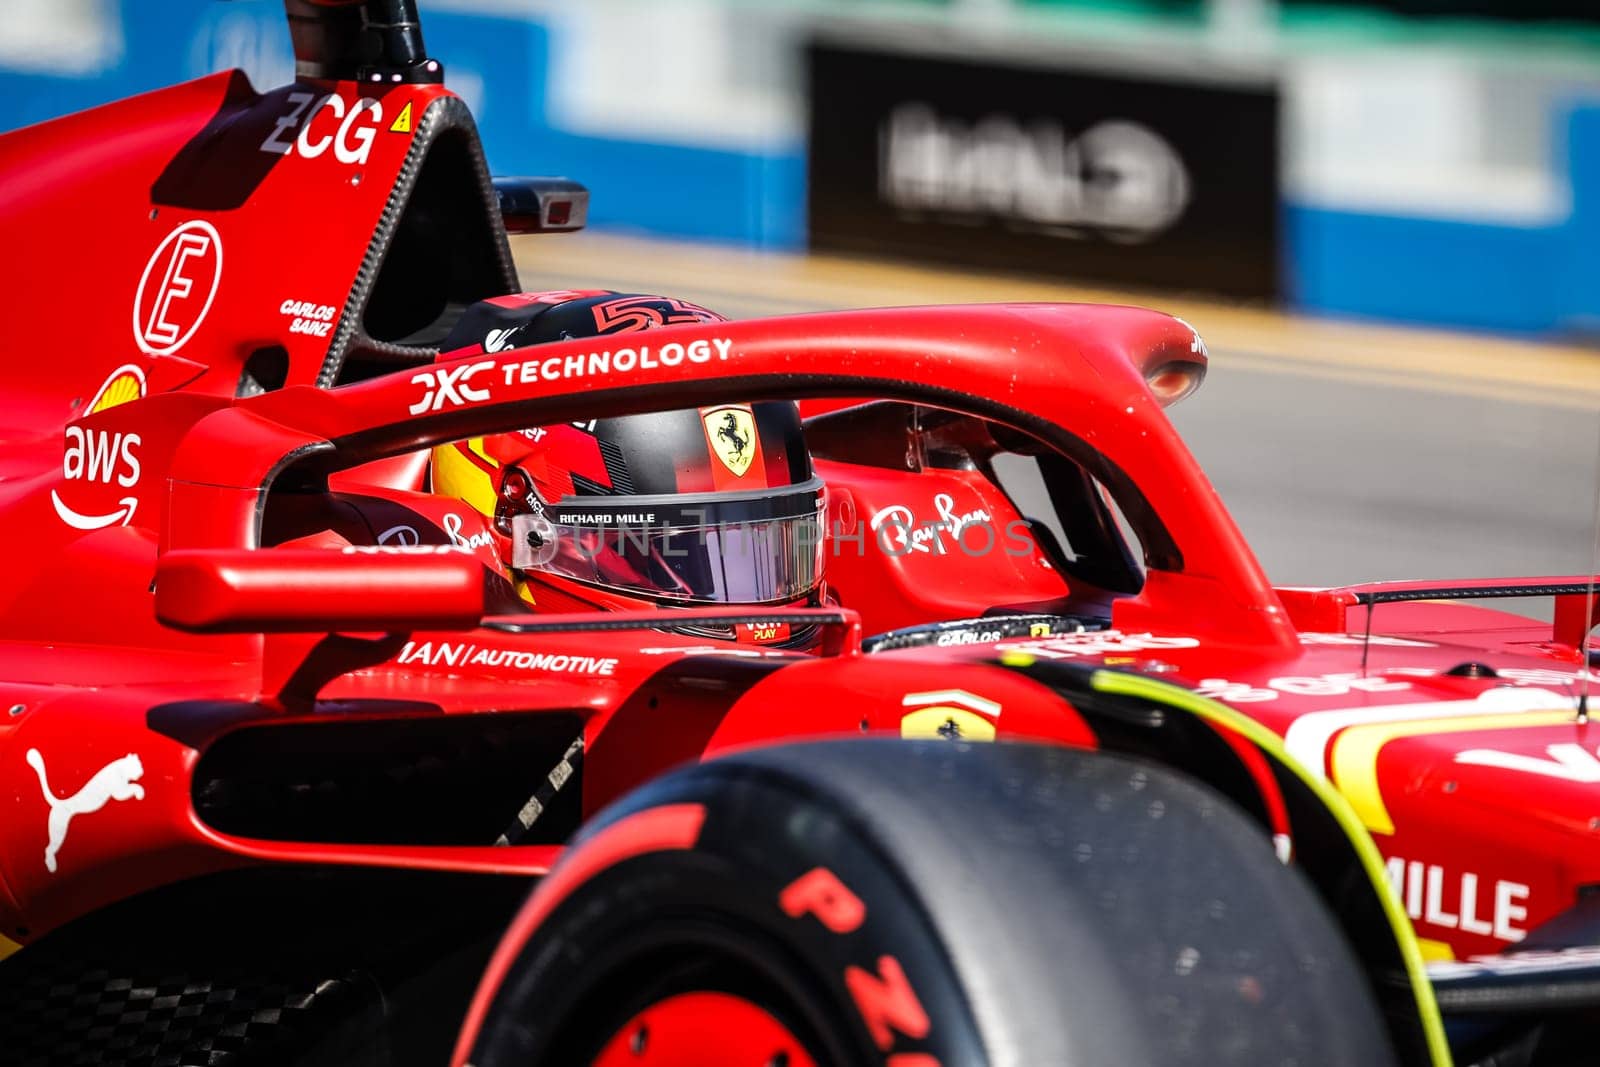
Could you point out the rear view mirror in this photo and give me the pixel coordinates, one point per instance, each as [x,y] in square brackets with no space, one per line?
[542,205]
[319,590]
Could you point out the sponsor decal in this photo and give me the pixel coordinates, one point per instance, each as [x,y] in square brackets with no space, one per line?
[399,547]
[405,536]
[1460,901]
[464,654]
[1357,640]
[951,714]
[122,385]
[101,456]
[616,361]
[450,386]
[1099,643]
[80,521]
[500,340]
[979,637]
[1318,685]
[104,457]
[900,532]
[762,633]
[176,288]
[732,432]
[117,780]
[1566,761]
[452,530]
[351,140]
[566,517]
[454,386]
[308,317]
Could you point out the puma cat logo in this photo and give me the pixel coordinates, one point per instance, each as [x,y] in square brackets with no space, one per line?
[115,781]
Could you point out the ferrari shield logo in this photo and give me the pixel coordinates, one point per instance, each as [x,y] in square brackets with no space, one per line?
[732,433]
[952,714]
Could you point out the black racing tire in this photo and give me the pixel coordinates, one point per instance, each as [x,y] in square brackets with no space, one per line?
[1045,906]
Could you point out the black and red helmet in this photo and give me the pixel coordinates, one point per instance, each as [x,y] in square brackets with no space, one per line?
[705,506]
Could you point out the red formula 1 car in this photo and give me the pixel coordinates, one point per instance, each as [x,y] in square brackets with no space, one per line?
[275,785]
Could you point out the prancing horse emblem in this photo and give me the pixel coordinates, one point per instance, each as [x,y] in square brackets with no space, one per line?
[115,781]
[732,433]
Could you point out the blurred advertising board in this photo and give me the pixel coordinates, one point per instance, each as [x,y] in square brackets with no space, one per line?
[1126,178]
[1518,10]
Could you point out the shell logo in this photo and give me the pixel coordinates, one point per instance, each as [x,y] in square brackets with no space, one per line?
[125,383]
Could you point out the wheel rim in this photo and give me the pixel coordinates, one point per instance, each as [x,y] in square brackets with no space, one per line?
[703,1029]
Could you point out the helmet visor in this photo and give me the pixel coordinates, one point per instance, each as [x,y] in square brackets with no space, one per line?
[729,548]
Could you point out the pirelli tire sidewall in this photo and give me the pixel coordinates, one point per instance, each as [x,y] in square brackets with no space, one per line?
[633,932]
[1014,904]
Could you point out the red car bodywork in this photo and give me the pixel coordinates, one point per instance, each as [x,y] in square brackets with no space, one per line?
[139,474]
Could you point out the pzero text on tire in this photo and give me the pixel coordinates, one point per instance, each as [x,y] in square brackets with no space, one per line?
[919,904]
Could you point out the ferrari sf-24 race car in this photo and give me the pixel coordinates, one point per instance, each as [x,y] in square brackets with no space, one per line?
[277,777]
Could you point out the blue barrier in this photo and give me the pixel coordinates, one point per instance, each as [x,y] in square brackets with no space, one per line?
[500,66]
[1521,279]
[1528,279]
[1425,271]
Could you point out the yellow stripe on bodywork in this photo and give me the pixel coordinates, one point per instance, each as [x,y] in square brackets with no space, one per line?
[456,475]
[1434,951]
[476,445]
[1371,860]
[8,947]
[1353,759]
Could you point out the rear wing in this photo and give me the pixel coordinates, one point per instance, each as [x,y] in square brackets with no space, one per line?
[1577,609]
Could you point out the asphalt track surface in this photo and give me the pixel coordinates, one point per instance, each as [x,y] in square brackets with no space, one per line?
[1346,452]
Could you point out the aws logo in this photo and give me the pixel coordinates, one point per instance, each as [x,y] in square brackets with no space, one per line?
[103,457]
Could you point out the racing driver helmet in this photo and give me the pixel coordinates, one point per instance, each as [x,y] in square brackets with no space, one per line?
[695,508]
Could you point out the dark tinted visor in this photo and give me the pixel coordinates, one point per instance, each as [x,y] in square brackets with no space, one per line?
[713,548]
